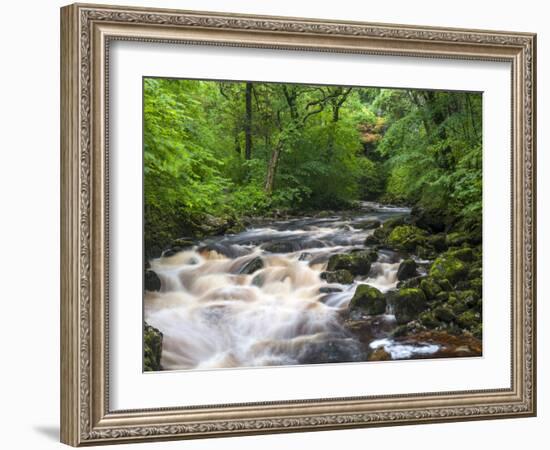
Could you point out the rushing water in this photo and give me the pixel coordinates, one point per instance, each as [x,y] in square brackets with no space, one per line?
[214,313]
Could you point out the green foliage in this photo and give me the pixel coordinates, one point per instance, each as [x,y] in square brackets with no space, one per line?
[299,147]
[433,151]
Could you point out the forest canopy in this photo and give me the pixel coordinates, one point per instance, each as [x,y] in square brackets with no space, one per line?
[220,149]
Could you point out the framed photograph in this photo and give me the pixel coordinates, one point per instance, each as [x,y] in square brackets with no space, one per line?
[274,224]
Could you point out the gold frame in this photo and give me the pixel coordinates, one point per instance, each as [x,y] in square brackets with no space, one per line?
[86,31]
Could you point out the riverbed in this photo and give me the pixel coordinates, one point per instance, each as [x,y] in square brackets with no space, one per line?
[257,298]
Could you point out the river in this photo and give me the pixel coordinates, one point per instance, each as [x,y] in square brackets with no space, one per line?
[256,298]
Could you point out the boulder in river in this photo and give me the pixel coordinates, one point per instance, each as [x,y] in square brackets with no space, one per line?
[357,263]
[371,240]
[151,281]
[369,300]
[413,282]
[252,266]
[367,224]
[341,276]
[407,304]
[152,348]
[279,247]
[449,267]
[406,270]
[406,238]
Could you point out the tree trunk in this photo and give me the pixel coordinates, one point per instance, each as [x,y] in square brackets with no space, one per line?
[272,168]
[248,122]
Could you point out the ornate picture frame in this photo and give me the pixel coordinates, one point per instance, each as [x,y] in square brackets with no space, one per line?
[86,34]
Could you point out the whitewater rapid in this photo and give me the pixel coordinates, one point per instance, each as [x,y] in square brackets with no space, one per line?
[256,298]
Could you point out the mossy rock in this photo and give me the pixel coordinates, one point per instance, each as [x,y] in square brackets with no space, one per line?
[456,239]
[406,238]
[444,313]
[408,303]
[357,263]
[430,288]
[342,276]
[450,268]
[152,348]
[462,285]
[428,319]
[477,285]
[367,224]
[410,283]
[470,297]
[371,240]
[368,299]
[475,272]
[469,319]
[393,222]
[457,305]
[409,328]
[445,284]
[438,242]
[379,235]
[406,270]
[151,281]
[431,219]
[477,331]
[425,252]
[465,254]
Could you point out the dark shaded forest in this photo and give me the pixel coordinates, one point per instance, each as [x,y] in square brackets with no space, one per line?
[217,154]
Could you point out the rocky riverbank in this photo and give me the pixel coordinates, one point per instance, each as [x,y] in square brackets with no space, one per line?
[373,283]
[438,298]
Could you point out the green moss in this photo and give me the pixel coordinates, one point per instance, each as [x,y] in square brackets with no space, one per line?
[469,319]
[368,299]
[406,270]
[338,276]
[475,272]
[445,284]
[477,285]
[357,263]
[152,348]
[430,288]
[470,297]
[450,268]
[438,242]
[477,331]
[428,319]
[406,238]
[408,303]
[465,254]
[456,239]
[444,313]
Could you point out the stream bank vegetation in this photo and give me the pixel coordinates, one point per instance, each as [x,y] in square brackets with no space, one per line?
[362,205]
